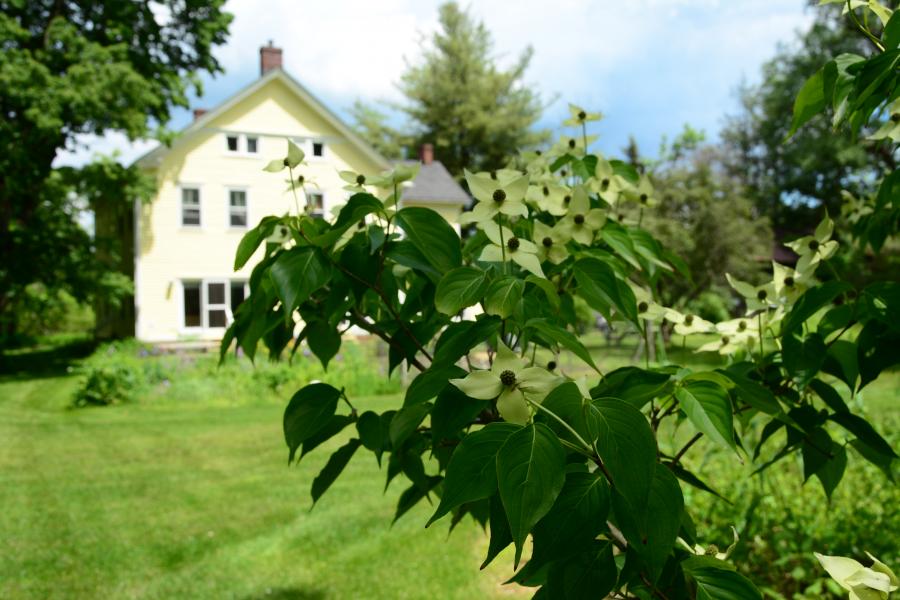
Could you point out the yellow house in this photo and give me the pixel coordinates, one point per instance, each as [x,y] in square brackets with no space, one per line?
[211,188]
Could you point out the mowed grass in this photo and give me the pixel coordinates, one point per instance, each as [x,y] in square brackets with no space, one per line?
[169,500]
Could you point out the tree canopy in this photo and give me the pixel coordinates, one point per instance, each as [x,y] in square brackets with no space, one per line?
[475,112]
[71,68]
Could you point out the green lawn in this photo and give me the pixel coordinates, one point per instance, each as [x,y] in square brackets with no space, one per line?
[186,494]
[175,500]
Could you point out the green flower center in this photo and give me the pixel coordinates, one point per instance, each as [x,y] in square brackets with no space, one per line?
[742,326]
[789,281]
[689,320]
[725,340]
[562,173]
[547,242]
[546,191]
[621,217]
[643,198]
[642,307]
[301,179]
[572,144]
[538,153]
[761,294]
[513,243]
[567,199]
[813,245]
[494,175]
[360,179]
[604,184]
[499,196]
[551,366]
[508,378]
[579,219]
[283,231]
[361,225]
[286,163]
[895,117]
[582,115]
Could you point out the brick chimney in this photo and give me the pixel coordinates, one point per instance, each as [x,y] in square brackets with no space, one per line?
[269,58]
[199,112]
[426,154]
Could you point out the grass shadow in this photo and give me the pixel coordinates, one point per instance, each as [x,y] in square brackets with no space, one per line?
[291,593]
[48,360]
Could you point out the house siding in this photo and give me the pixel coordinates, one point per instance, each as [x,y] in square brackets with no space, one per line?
[169,253]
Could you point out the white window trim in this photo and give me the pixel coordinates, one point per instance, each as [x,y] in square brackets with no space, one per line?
[237,188]
[189,186]
[241,151]
[307,191]
[205,307]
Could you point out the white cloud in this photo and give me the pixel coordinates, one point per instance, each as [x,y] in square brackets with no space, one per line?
[597,53]
[91,146]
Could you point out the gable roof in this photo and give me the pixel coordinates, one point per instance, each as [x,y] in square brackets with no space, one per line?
[435,184]
[151,157]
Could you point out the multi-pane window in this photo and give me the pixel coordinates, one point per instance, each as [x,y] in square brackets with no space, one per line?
[237,208]
[211,304]
[252,147]
[190,206]
[316,203]
[232,142]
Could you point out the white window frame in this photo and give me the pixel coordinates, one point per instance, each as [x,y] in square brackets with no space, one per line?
[182,187]
[205,306]
[308,192]
[228,207]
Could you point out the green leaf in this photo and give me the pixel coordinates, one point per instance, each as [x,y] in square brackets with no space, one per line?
[309,410]
[863,430]
[335,425]
[501,537]
[459,338]
[751,392]
[829,396]
[811,302]
[627,447]
[472,472]
[708,407]
[652,526]
[406,421]
[719,582]
[618,239]
[547,287]
[891,34]
[432,236]
[406,254]
[294,155]
[333,469]
[578,516]
[635,386]
[249,243]
[586,576]
[567,403]
[371,431]
[297,273]
[803,358]
[355,210]
[459,288]
[323,339]
[810,101]
[841,361]
[454,411]
[564,338]
[430,382]
[530,473]
[503,295]
[602,289]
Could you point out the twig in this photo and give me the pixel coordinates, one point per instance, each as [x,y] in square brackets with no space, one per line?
[686,447]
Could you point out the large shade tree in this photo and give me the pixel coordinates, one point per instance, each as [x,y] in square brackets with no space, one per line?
[456,96]
[72,68]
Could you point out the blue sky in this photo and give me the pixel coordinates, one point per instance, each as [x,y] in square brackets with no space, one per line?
[649,65]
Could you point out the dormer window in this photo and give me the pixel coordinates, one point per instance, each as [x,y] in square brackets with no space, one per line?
[232,141]
[318,149]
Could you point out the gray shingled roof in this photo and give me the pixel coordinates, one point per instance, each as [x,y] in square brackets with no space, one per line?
[435,184]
